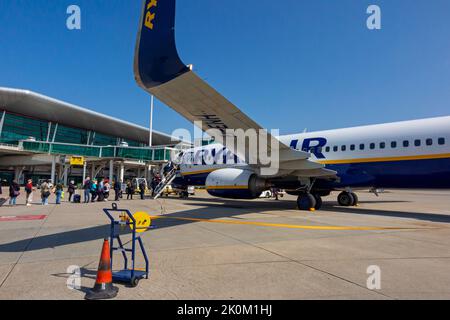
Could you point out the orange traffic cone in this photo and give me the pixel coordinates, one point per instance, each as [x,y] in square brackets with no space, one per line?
[103,288]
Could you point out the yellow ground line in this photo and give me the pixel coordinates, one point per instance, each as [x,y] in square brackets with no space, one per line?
[289,226]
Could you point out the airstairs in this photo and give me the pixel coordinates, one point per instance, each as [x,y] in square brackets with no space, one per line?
[166,180]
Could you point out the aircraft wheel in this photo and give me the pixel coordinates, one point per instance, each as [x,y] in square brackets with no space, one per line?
[184,195]
[306,202]
[355,199]
[319,202]
[346,199]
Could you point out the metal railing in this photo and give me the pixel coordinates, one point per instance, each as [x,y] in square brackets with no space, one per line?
[154,154]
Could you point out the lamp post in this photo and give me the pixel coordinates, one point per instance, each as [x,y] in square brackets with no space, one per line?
[150,141]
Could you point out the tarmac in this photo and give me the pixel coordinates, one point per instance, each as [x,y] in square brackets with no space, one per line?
[209,248]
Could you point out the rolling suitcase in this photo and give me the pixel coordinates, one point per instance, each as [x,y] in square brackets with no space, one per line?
[77,198]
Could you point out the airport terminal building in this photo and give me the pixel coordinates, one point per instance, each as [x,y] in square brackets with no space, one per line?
[44,138]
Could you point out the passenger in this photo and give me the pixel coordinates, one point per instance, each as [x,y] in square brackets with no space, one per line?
[106,190]
[153,186]
[117,190]
[275,192]
[71,189]
[87,189]
[142,188]
[100,191]
[168,168]
[130,191]
[45,192]
[93,190]
[155,182]
[14,192]
[29,190]
[59,188]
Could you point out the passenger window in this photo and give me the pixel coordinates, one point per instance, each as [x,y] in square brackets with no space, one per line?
[362,146]
[372,146]
[406,143]
[335,148]
[343,148]
[394,144]
[382,145]
[441,141]
[352,147]
[417,143]
[429,142]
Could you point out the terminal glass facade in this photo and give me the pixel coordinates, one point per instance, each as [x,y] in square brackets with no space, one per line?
[17,127]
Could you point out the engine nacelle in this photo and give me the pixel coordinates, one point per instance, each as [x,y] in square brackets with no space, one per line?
[235,183]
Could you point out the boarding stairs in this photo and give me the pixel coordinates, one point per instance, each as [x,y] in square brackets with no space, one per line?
[166,180]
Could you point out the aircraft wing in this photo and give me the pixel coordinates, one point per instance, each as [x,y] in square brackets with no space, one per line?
[159,70]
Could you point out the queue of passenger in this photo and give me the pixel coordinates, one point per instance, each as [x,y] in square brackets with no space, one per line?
[93,190]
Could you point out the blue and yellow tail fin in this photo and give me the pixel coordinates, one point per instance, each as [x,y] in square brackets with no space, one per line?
[156,58]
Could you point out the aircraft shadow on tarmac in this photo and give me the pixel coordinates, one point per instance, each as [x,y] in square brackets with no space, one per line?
[207,210]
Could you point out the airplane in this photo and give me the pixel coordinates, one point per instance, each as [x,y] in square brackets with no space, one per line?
[410,154]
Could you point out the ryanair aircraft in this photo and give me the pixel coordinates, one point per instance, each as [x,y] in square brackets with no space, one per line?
[410,154]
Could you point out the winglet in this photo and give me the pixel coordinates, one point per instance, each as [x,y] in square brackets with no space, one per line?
[156,58]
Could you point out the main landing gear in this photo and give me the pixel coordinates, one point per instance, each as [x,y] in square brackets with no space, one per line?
[312,201]
[309,202]
[348,199]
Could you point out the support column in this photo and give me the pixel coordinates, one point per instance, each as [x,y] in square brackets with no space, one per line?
[111,170]
[148,172]
[60,172]
[53,172]
[84,171]
[122,172]
[18,174]
[66,174]
[93,171]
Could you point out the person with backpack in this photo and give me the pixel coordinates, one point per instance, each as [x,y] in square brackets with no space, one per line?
[45,192]
[71,189]
[14,192]
[29,190]
[100,190]
[87,189]
[59,189]
[142,188]
[93,190]
[117,190]
[106,190]
[130,191]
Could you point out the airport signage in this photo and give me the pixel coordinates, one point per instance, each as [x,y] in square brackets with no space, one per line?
[76,161]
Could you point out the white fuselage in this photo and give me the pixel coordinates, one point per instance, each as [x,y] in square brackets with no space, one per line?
[379,152]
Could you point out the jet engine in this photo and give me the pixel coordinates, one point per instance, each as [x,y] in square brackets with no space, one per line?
[233,183]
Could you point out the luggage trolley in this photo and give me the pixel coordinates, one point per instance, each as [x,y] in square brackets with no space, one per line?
[127,275]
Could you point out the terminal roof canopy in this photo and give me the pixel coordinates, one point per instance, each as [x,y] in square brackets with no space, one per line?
[38,106]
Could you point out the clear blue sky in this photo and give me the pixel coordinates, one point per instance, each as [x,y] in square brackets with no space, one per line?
[288,64]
